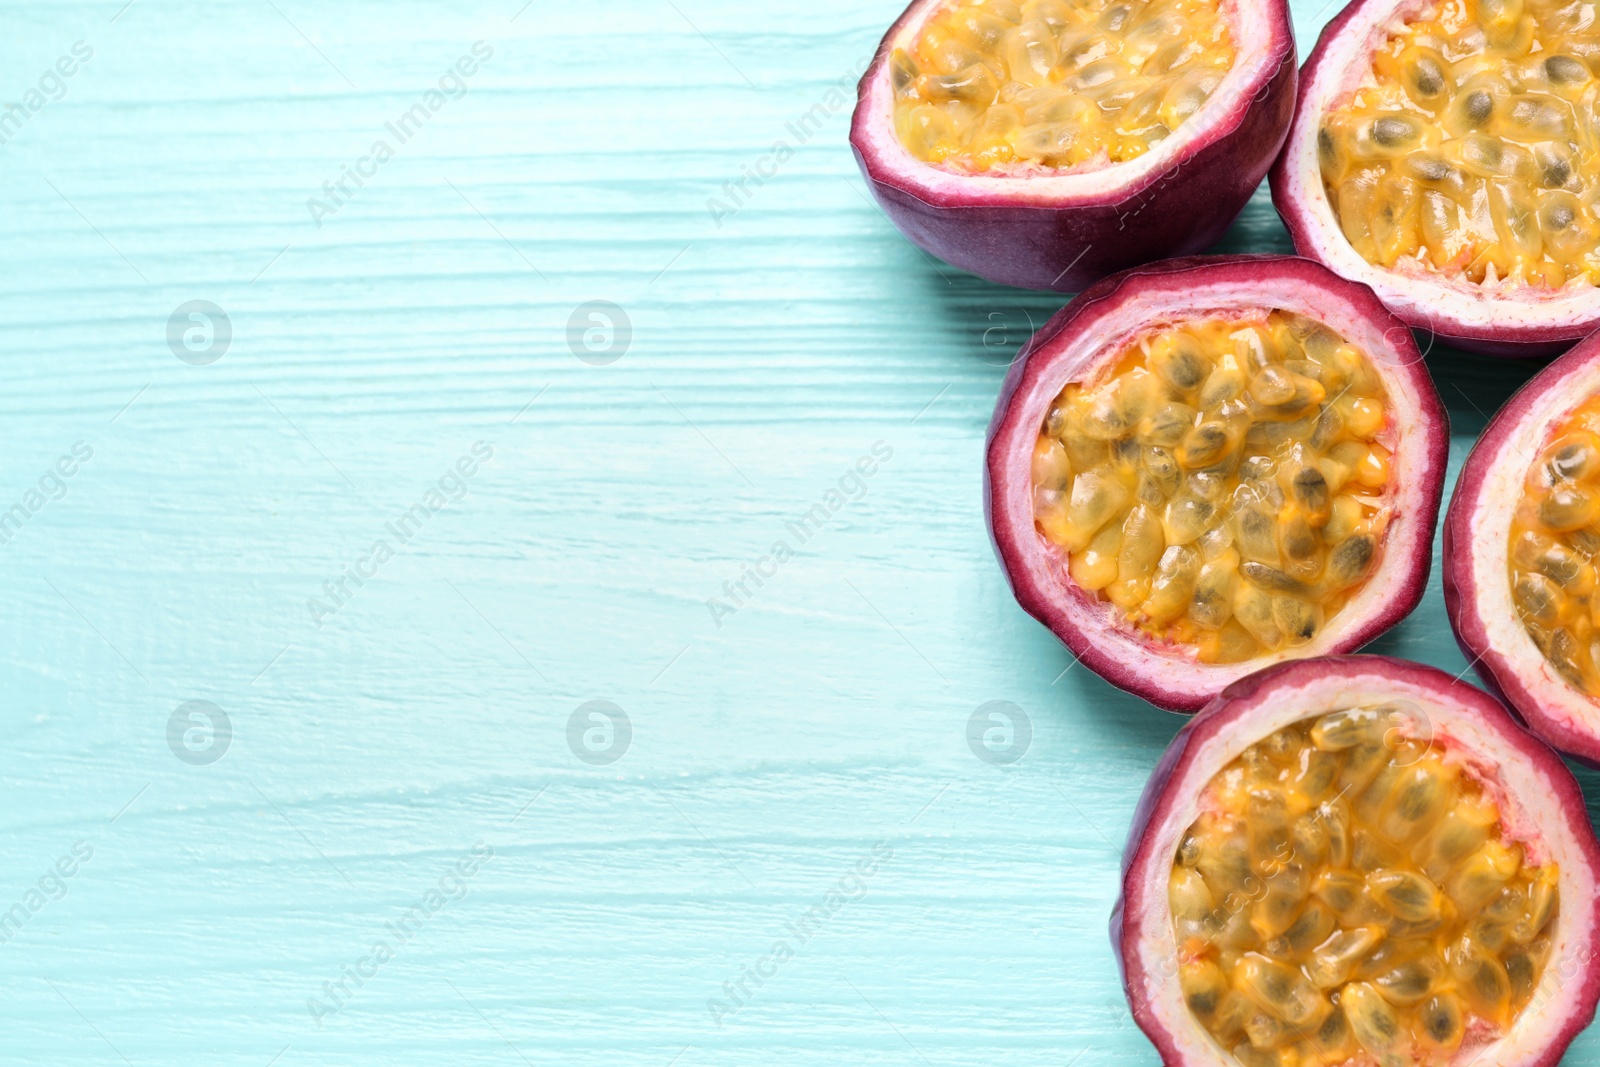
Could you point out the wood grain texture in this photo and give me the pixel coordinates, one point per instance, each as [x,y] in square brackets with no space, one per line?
[769,753]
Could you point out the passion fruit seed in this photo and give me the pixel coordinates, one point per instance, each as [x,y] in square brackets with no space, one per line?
[1223,487]
[1055,83]
[1474,148]
[1329,905]
[1555,535]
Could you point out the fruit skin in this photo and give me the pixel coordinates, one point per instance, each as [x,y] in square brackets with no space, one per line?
[1011,232]
[1476,542]
[1530,773]
[1120,306]
[1456,313]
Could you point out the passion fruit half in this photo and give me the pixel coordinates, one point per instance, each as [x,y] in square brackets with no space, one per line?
[1203,466]
[1447,153]
[1520,551]
[1047,143]
[1359,860]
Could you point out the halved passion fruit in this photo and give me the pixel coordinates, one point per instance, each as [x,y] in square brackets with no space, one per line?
[1203,466]
[1520,549]
[1359,860]
[1046,143]
[1447,153]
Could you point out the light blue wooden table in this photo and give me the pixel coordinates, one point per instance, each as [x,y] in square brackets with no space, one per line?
[410,757]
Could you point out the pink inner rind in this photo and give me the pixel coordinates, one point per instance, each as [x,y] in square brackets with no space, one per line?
[1018,237]
[1564,717]
[1237,713]
[1159,673]
[1435,307]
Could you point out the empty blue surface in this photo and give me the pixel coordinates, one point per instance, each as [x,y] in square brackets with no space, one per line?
[394,830]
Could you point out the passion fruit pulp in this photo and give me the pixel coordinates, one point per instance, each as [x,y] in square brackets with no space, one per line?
[1203,466]
[1521,545]
[1359,860]
[1055,84]
[1447,153]
[1047,143]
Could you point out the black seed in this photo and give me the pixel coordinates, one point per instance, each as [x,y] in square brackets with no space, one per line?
[1556,173]
[1559,217]
[1479,106]
[1391,132]
[1311,487]
[1300,544]
[1325,145]
[1349,561]
[1520,970]
[1414,802]
[1272,578]
[1429,78]
[1564,69]
[1256,524]
[1183,369]
[1487,983]
[1430,168]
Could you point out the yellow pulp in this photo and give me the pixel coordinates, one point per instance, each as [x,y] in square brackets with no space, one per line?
[1348,894]
[1224,487]
[1055,83]
[1554,537]
[1476,152]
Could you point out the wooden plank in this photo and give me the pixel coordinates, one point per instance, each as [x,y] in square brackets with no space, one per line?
[374,744]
